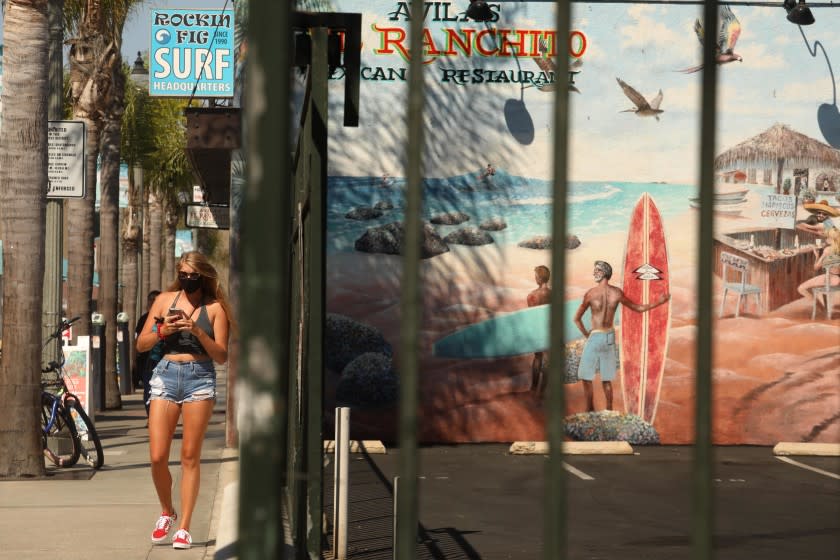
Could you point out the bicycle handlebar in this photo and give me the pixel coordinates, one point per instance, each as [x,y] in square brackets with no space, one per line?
[52,366]
[63,326]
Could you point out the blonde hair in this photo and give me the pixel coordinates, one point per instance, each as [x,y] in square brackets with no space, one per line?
[834,238]
[210,286]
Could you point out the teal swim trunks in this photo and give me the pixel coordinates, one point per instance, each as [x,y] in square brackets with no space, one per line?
[598,355]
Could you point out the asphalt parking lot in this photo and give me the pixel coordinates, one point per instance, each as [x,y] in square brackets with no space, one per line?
[479,502]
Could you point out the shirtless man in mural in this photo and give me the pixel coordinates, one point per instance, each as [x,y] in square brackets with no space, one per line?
[540,296]
[599,351]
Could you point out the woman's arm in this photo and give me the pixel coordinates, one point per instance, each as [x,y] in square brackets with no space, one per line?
[827,252]
[147,338]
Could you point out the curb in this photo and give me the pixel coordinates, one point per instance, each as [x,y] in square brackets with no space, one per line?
[369,446]
[573,448]
[817,449]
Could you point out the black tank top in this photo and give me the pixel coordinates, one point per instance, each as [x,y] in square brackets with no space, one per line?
[185,342]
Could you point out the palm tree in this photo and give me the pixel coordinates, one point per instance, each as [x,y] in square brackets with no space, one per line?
[89,83]
[23,186]
[136,132]
[169,173]
[97,81]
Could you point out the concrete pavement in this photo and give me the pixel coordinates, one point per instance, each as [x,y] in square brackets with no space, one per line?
[77,513]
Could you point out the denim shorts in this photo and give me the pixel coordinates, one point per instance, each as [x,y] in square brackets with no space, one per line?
[182,382]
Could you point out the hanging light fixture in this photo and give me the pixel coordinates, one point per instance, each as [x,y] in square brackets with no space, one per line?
[479,11]
[799,13]
[139,73]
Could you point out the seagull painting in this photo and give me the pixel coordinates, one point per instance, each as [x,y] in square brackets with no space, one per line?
[547,65]
[730,29]
[643,108]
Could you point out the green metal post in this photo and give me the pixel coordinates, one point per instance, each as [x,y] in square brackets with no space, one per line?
[411,312]
[264,281]
[55,206]
[554,533]
[702,511]
[316,293]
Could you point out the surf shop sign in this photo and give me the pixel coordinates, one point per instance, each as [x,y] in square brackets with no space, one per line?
[192,53]
[451,38]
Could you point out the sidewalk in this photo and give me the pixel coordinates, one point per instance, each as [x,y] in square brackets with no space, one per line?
[78,513]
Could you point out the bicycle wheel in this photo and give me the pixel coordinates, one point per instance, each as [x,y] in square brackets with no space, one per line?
[61,442]
[89,444]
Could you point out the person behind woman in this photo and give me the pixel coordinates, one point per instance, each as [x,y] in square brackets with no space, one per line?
[193,319]
[832,249]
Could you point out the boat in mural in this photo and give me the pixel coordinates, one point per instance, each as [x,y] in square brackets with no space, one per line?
[726,202]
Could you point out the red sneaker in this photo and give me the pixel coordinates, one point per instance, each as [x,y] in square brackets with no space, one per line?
[164,523]
[182,540]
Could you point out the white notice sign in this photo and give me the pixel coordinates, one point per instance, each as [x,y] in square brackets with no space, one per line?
[66,167]
[209,216]
[778,211]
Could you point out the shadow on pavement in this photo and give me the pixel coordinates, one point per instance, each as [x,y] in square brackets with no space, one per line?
[370,521]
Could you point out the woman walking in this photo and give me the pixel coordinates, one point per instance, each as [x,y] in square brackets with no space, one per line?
[193,319]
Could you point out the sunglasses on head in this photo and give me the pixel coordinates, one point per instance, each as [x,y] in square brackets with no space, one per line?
[188,276]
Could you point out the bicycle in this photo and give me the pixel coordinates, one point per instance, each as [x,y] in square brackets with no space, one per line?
[86,438]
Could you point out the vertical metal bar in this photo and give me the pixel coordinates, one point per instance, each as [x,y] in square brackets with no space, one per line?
[55,206]
[352,63]
[702,511]
[297,412]
[342,449]
[396,523]
[336,476]
[410,310]
[554,533]
[316,287]
[264,281]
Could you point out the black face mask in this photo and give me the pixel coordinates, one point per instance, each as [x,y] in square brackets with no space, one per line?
[189,285]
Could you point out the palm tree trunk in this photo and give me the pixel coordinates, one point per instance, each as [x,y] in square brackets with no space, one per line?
[130,233]
[80,238]
[169,242]
[23,187]
[145,251]
[108,239]
[155,246]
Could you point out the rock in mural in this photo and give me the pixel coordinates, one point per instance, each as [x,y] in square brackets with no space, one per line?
[346,339]
[468,236]
[493,224]
[450,218]
[388,239]
[369,381]
[363,213]
[610,425]
[545,242]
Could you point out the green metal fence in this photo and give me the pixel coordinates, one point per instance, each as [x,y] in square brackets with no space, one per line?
[283,299]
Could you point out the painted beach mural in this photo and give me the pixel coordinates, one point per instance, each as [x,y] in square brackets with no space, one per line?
[634,81]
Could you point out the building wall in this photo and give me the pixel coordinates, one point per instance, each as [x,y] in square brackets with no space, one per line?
[489,103]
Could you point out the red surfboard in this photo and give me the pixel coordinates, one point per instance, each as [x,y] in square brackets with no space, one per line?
[644,336]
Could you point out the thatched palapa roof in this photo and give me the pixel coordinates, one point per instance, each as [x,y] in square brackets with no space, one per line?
[776,144]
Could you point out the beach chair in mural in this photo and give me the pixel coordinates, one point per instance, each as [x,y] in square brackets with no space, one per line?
[826,290]
[735,275]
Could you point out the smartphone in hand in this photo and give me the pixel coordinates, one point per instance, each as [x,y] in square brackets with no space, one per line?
[179,314]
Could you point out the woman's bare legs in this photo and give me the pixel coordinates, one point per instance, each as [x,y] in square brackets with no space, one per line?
[163,418]
[816,282]
[196,418]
